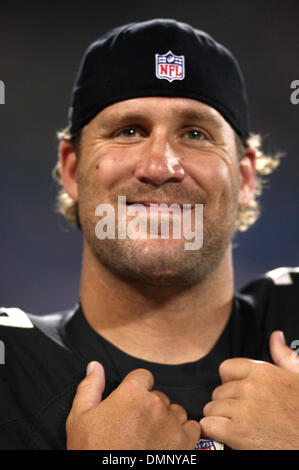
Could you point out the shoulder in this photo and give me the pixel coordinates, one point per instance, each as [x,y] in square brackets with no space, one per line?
[32,341]
[14,317]
[15,322]
[38,377]
[283,282]
[284,277]
[273,298]
[35,351]
[283,300]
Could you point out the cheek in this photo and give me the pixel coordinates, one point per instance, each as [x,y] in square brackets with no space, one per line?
[108,169]
[213,175]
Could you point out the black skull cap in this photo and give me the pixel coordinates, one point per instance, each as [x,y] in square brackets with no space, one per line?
[159,57]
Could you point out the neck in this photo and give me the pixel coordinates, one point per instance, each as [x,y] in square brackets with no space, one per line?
[167,325]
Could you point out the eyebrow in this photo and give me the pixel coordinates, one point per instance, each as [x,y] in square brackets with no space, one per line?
[119,120]
[186,114]
[192,115]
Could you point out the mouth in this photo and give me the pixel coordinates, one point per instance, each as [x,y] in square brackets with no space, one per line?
[162,205]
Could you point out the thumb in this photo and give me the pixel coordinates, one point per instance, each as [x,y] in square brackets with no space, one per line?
[90,390]
[282,355]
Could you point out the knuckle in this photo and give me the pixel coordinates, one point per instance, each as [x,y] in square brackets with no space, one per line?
[247,387]
[194,426]
[207,425]
[262,370]
[178,410]
[192,429]
[142,372]
[156,404]
[207,409]
[177,407]
[226,366]
[132,387]
[162,396]
[259,365]
[223,366]
[216,392]
[264,367]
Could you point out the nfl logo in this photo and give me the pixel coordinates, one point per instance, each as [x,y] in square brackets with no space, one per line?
[170,66]
[208,444]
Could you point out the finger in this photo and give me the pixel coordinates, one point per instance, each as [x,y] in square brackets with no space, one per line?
[217,428]
[179,412]
[193,430]
[226,408]
[90,390]
[142,377]
[237,368]
[231,389]
[282,355]
[162,396]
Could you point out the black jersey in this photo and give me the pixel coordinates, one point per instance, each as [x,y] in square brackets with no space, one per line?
[43,359]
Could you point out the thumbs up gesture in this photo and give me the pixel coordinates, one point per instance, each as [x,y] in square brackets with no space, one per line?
[257,405]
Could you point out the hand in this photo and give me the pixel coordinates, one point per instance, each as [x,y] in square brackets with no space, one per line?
[131,417]
[257,405]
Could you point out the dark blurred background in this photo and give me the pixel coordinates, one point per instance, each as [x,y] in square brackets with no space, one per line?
[41,44]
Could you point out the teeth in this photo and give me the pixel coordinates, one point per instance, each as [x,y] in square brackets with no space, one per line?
[154,204]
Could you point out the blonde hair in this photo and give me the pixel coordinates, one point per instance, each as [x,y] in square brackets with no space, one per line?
[247,215]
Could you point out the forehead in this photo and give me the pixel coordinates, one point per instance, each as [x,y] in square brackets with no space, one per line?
[159,108]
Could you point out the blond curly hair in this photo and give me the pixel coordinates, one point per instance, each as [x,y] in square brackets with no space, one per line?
[247,215]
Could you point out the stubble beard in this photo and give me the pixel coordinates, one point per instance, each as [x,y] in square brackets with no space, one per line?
[164,262]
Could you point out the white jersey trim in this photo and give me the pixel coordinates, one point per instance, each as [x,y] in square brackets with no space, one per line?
[281,276]
[15,317]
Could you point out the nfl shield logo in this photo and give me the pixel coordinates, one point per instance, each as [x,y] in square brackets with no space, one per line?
[170,66]
[208,444]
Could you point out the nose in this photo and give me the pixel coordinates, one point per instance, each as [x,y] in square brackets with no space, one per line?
[159,163]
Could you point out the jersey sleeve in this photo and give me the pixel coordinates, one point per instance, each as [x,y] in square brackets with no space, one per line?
[15,430]
[283,306]
[38,379]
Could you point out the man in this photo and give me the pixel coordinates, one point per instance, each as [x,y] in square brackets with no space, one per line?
[176,359]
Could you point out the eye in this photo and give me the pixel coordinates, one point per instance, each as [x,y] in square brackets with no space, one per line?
[194,134]
[128,132]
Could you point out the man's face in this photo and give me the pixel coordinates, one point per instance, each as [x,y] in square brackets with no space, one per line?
[172,150]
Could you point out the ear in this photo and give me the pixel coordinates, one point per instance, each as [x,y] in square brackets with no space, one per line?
[69,166]
[247,176]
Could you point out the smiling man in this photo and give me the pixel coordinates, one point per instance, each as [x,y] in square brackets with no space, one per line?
[177,359]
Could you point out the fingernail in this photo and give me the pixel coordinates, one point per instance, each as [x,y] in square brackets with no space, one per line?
[282,337]
[90,368]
